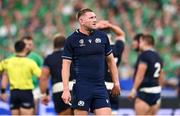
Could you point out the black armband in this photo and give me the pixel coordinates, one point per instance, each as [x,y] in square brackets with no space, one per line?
[47,91]
[3,90]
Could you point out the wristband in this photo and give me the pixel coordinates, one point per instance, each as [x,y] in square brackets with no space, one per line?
[3,90]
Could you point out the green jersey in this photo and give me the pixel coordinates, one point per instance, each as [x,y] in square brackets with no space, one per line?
[39,60]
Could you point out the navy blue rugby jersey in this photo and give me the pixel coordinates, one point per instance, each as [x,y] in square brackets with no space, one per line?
[154,66]
[54,63]
[87,53]
[117,49]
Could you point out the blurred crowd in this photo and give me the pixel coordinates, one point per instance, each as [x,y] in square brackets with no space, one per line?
[43,18]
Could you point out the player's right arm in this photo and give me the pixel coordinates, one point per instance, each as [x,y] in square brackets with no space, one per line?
[4,84]
[4,81]
[142,67]
[66,96]
[66,63]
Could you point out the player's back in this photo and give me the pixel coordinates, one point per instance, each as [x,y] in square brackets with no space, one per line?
[154,65]
[20,71]
[54,62]
[117,49]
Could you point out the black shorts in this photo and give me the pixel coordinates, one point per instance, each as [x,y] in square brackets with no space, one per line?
[59,103]
[21,99]
[150,98]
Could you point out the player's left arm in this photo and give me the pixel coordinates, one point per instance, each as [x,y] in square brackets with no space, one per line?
[44,80]
[162,80]
[114,72]
[142,67]
[44,85]
[120,35]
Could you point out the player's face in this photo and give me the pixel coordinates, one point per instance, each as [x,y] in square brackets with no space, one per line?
[142,43]
[89,20]
[135,45]
[29,45]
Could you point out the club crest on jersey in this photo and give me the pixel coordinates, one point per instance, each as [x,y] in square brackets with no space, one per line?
[97,40]
[81,42]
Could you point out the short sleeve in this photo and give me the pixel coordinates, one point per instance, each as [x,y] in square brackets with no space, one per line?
[108,49]
[68,50]
[118,48]
[46,63]
[143,58]
[3,65]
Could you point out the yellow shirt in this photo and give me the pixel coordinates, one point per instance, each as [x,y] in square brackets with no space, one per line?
[20,71]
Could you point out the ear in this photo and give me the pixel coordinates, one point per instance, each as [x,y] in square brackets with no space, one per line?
[81,21]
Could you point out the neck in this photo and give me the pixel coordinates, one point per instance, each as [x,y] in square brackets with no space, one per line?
[21,54]
[56,49]
[148,48]
[84,30]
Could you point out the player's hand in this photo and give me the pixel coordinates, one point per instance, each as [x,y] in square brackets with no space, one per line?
[132,94]
[66,96]
[4,97]
[116,90]
[45,99]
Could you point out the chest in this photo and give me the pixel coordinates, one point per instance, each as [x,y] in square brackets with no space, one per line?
[89,46]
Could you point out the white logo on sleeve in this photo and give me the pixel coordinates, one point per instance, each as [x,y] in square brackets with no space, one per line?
[81,103]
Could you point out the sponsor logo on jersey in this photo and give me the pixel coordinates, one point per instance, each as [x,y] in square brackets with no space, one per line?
[90,40]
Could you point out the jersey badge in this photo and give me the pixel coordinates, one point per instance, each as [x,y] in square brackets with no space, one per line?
[97,40]
[81,42]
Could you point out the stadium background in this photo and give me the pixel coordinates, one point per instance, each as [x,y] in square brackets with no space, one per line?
[43,18]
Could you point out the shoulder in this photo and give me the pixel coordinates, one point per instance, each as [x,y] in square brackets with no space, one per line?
[28,60]
[50,56]
[72,36]
[144,55]
[33,55]
[100,32]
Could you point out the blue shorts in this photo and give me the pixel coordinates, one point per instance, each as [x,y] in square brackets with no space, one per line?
[59,103]
[88,97]
[21,99]
[150,98]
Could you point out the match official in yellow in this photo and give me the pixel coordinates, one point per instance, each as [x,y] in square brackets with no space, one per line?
[20,70]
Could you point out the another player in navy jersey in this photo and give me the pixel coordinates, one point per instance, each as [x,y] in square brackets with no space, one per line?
[88,49]
[117,47]
[148,78]
[52,67]
[135,42]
